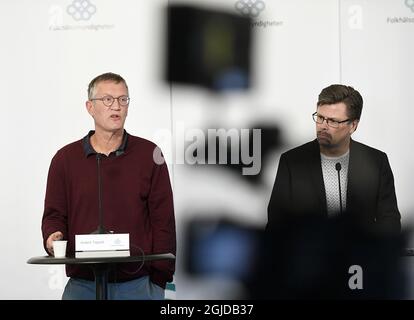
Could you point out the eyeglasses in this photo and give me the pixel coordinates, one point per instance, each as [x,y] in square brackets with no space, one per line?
[332,123]
[109,100]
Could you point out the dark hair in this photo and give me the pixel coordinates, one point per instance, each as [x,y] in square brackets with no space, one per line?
[109,76]
[339,93]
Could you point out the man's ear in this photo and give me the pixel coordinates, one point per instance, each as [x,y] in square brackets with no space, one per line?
[89,107]
[354,126]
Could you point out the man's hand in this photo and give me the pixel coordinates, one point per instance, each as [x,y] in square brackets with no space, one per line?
[49,242]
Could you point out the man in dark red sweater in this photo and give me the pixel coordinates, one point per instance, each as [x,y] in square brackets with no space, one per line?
[136,198]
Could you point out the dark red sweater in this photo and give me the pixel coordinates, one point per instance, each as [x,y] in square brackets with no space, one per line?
[136,199]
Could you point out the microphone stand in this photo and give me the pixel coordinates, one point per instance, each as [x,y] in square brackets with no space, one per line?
[101,229]
[338,168]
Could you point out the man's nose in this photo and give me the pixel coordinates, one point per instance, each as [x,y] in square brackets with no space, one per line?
[116,105]
[324,124]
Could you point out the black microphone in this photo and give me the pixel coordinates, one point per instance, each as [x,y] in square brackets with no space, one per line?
[101,228]
[338,168]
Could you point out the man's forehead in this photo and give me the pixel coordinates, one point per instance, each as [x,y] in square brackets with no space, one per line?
[336,109]
[109,84]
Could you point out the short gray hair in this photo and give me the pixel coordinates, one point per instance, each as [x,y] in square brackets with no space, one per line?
[109,76]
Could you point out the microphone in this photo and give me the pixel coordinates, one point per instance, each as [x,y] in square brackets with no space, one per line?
[101,243]
[338,168]
[101,228]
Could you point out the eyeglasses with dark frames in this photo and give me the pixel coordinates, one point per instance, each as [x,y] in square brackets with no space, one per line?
[330,122]
[109,100]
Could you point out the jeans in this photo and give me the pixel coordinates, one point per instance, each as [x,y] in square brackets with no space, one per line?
[137,289]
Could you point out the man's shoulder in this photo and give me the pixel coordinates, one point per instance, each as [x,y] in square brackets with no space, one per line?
[299,151]
[365,149]
[135,141]
[143,148]
[312,147]
[70,148]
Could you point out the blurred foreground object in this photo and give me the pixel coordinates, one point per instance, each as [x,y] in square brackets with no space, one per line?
[208,48]
[318,258]
[300,259]
[221,248]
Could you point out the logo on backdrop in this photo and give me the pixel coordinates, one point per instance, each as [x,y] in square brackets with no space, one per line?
[250,8]
[410,4]
[81,9]
[406,19]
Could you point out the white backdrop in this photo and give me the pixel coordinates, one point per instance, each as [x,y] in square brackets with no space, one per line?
[48,58]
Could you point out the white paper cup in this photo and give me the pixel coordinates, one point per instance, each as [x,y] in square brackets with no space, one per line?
[59,248]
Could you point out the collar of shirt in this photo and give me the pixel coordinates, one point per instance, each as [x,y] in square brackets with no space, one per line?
[89,150]
[344,156]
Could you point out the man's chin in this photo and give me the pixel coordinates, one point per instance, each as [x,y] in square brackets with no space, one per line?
[324,142]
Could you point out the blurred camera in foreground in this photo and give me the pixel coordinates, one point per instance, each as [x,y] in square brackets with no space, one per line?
[300,259]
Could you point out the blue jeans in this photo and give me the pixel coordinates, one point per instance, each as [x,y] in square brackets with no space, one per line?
[138,289]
